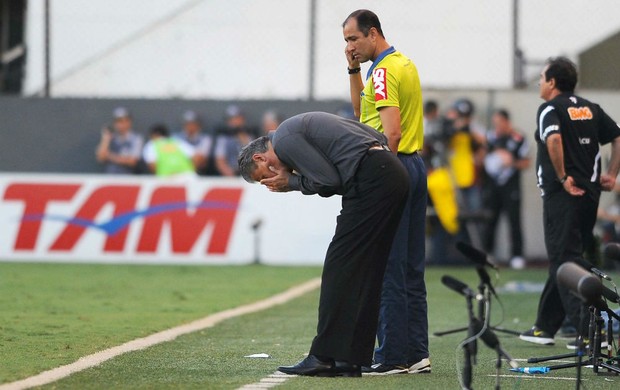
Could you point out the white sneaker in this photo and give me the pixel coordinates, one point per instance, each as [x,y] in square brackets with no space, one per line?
[421,367]
[384,369]
[575,344]
[517,262]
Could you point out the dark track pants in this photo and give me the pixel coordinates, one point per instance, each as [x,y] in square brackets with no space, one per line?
[568,222]
[403,320]
[356,258]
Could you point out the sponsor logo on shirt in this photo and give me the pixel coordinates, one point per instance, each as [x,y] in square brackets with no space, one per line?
[379,83]
[579,113]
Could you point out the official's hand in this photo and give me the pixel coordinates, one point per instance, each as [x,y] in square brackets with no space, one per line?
[608,182]
[278,183]
[571,187]
[353,62]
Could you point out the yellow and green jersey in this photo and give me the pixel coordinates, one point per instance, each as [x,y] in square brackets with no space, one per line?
[171,158]
[393,81]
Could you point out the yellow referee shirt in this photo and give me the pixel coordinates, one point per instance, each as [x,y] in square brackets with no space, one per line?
[394,82]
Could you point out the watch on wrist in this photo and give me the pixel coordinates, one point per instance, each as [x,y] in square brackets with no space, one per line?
[563,179]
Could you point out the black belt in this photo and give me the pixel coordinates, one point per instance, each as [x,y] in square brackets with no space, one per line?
[408,154]
[378,146]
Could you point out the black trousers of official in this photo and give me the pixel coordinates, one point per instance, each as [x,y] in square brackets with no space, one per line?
[568,222]
[356,259]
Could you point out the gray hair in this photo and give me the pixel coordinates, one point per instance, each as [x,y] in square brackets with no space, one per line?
[246,163]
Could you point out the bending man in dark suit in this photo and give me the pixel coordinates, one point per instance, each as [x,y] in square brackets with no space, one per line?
[320,153]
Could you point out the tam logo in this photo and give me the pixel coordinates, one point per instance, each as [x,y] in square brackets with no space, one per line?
[168,210]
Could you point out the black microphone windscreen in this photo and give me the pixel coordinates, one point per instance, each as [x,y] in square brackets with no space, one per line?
[581,282]
[475,255]
[610,295]
[454,284]
[612,251]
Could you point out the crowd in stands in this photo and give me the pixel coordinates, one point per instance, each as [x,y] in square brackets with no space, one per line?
[188,151]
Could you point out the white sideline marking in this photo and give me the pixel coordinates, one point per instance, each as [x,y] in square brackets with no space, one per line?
[160,337]
[273,380]
[268,382]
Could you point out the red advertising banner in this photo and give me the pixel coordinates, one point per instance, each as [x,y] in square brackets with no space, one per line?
[145,219]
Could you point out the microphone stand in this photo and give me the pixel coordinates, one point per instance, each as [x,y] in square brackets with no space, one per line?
[256,225]
[498,367]
[485,283]
[470,348]
[594,356]
[476,329]
[484,286]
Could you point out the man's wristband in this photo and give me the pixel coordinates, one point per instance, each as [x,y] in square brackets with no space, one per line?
[354,70]
[563,179]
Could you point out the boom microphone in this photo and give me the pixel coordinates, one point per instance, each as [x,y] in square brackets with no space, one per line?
[580,282]
[610,295]
[458,286]
[587,287]
[486,279]
[612,251]
[587,265]
[475,255]
[491,340]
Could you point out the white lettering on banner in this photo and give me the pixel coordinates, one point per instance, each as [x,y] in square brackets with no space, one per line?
[380,83]
[142,219]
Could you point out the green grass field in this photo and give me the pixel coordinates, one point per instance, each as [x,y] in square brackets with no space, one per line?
[53,314]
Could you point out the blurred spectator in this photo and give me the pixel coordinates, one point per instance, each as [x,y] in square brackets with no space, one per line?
[192,134]
[434,136]
[230,140]
[465,153]
[608,224]
[442,223]
[167,156]
[119,148]
[608,219]
[507,156]
[431,118]
[270,122]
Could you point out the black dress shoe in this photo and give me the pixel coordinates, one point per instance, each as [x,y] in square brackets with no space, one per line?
[310,366]
[347,369]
